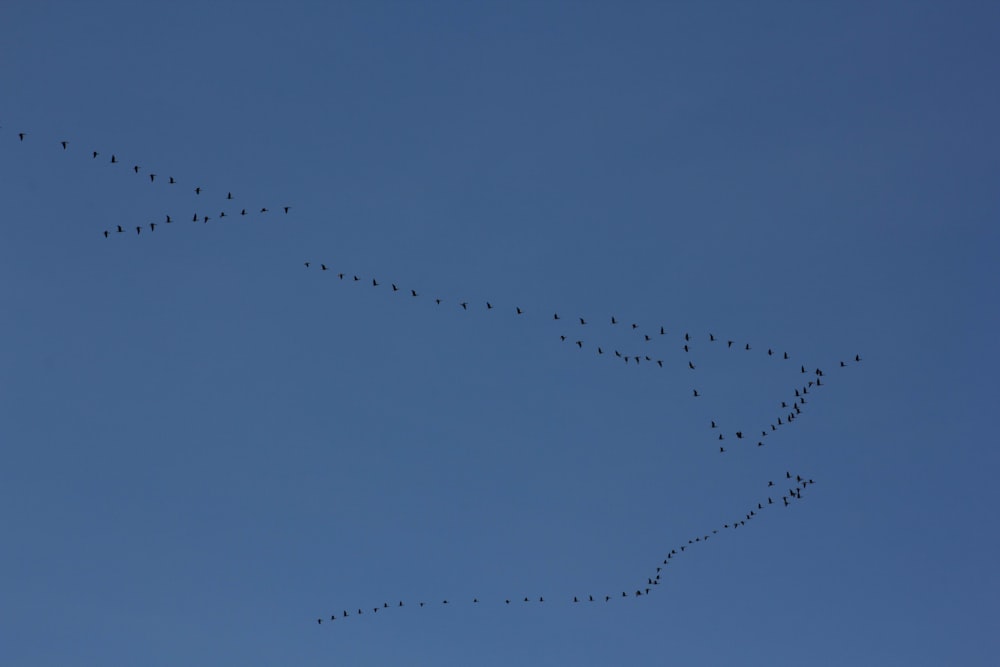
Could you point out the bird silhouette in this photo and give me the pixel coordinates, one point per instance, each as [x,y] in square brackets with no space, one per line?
[64,144]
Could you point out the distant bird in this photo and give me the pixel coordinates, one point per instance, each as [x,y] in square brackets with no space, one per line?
[263,210]
[95,155]
[857,357]
[64,144]
[687,337]
[739,434]
[136,169]
[659,362]
[413,292]
[243,211]
[519,311]
[613,320]
[786,355]
[489,306]
[323,267]
[20,135]
[730,344]
[696,394]
[802,369]
[307,264]
[713,423]
[138,230]
[120,230]
[286,209]
[114,159]
[356,279]
[152,177]
[582,321]
[579,343]
[843,365]
[171,181]
[748,346]
[599,350]
[711,337]
[229,195]
[635,326]
[194,218]
[465,306]
[105,233]
[197,190]
[770,483]
[152,226]
[205,219]
[555,316]
[374,283]
[662,331]
[686,349]
[690,365]
[770,352]
[647,337]
[222,214]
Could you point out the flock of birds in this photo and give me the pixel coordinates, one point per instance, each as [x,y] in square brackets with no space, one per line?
[154,178]
[792,406]
[793,484]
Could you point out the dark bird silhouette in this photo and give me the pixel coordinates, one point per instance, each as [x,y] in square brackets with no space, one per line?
[20,135]
[599,350]
[307,264]
[786,355]
[579,343]
[465,305]
[770,352]
[613,320]
[582,321]
[114,159]
[374,283]
[647,337]
[489,306]
[696,394]
[739,434]
[222,214]
[95,154]
[635,326]
[152,177]
[286,209]
[138,230]
[687,337]
[663,331]
[730,344]
[690,365]
[323,267]
[659,362]
[748,346]
[152,226]
[413,292]
[263,210]
[519,311]
[229,195]
[197,190]
[686,349]
[120,230]
[857,357]
[711,337]
[555,316]
[64,144]
[136,169]
[171,180]
[243,211]
[105,233]
[713,423]
[205,219]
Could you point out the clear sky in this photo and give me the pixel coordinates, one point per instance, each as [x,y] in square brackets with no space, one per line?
[205,446]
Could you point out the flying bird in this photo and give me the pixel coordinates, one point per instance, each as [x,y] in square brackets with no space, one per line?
[64,144]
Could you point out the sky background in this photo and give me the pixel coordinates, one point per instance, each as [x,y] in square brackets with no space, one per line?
[204,445]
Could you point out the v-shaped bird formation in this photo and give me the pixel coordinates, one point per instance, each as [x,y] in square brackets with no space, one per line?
[653,348]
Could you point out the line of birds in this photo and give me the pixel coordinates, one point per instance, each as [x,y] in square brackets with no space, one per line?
[794,406]
[169,180]
[794,493]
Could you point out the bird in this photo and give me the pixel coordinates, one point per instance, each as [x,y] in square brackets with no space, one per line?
[263,210]
[555,316]
[519,311]
[286,209]
[748,346]
[105,233]
[730,344]
[599,350]
[20,135]
[323,267]
[662,331]
[307,264]
[95,154]
[413,292]
[243,211]
[197,190]
[613,320]
[152,177]
[120,230]
[465,306]
[579,343]
[374,283]
[857,357]
[135,169]
[64,144]
[713,423]
[739,434]
[583,321]
[659,362]
[194,218]
[711,337]
[786,355]
[205,219]
[696,394]
[222,214]
[489,306]
[152,226]
[229,195]
[114,159]
[690,365]
[687,337]
[138,230]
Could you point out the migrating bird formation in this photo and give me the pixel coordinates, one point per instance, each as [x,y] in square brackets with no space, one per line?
[201,214]
[576,333]
[638,588]
[792,408]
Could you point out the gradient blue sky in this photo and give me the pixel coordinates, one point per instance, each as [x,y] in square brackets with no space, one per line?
[205,445]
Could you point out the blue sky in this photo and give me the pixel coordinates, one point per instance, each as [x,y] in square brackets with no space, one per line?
[206,446]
